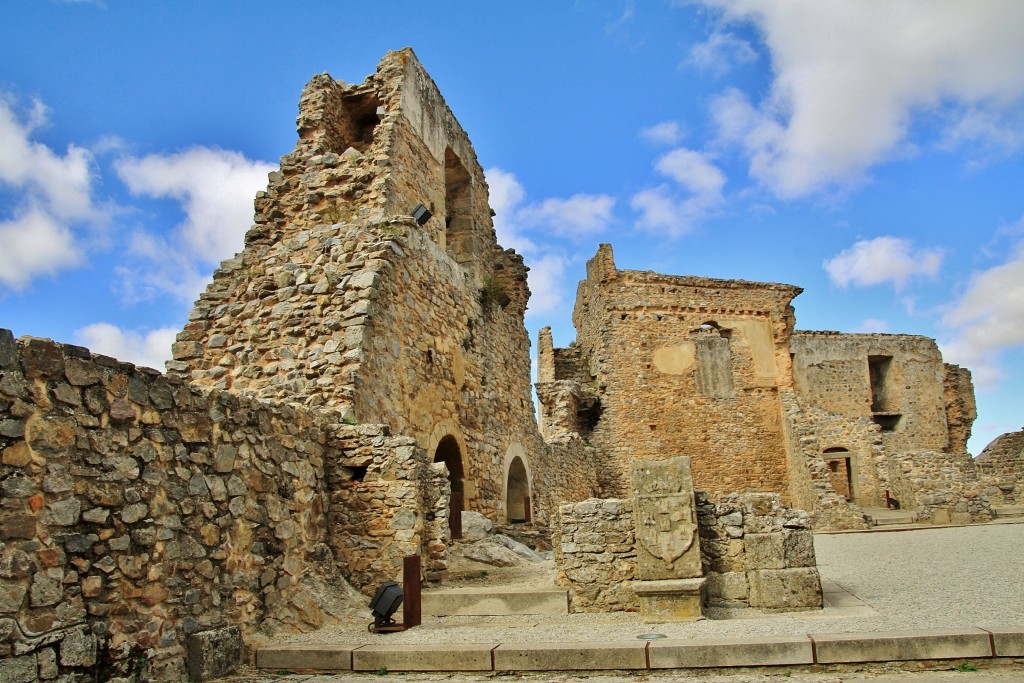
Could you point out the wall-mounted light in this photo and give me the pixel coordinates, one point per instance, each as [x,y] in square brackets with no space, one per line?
[421,214]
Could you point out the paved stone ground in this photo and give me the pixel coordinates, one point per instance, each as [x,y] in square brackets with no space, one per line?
[882,581]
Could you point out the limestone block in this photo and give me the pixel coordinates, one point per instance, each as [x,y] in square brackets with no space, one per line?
[764,551]
[452,657]
[798,548]
[475,526]
[729,652]
[18,669]
[215,653]
[785,589]
[670,600]
[901,645]
[665,520]
[78,648]
[489,552]
[583,656]
[730,587]
[301,656]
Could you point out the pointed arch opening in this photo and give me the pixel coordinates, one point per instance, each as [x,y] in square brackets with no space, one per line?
[517,493]
[450,454]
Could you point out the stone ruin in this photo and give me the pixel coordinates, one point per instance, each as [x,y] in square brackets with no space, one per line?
[714,369]
[359,375]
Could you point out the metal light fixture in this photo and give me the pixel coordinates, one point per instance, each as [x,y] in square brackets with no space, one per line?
[421,214]
[385,602]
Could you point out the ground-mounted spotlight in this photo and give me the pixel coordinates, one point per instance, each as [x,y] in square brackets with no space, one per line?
[385,602]
[421,214]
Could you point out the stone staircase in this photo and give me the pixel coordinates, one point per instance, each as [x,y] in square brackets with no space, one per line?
[494,602]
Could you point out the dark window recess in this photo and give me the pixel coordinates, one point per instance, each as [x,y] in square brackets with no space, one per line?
[354,473]
[887,421]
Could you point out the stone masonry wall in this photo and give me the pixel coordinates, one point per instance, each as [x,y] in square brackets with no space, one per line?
[342,301]
[1001,464]
[137,510]
[685,365]
[755,552]
[939,487]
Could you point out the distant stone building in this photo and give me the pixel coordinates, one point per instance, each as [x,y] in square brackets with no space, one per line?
[713,369]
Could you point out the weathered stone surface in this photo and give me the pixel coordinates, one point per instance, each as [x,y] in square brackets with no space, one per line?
[78,648]
[18,669]
[785,589]
[665,520]
[490,552]
[475,526]
[212,654]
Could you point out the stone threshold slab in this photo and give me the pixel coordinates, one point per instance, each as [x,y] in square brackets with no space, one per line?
[488,602]
[827,648]
[896,646]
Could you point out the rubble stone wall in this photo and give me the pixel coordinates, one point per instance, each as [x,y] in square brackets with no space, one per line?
[342,301]
[1001,465]
[681,366]
[137,510]
[755,552]
[939,487]
[832,370]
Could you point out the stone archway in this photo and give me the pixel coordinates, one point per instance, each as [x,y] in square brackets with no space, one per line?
[517,492]
[450,454]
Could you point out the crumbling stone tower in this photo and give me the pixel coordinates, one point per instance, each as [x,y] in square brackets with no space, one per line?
[343,301]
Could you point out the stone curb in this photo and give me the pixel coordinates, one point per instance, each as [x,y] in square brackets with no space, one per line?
[824,648]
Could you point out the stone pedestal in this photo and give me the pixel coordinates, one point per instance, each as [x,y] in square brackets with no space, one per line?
[670,585]
[670,600]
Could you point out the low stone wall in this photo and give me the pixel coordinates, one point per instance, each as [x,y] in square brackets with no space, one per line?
[755,552]
[1001,467]
[137,510]
[940,488]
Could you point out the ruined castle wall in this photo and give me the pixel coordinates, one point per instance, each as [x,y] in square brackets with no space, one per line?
[939,487]
[137,510]
[687,366]
[342,301]
[810,432]
[755,552]
[961,409]
[1001,464]
[905,394]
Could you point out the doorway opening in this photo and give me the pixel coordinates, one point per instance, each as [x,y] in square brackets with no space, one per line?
[840,470]
[448,452]
[517,493]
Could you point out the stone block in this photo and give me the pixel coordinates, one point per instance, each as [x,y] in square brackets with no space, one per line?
[78,648]
[18,669]
[670,600]
[487,602]
[8,349]
[305,656]
[425,657]
[723,652]
[214,653]
[583,656]
[901,646]
[730,587]
[798,548]
[764,551]
[1007,641]
[785,589]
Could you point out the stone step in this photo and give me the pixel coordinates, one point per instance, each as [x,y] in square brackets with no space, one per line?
[491,602]
[1007,511]
[887,517]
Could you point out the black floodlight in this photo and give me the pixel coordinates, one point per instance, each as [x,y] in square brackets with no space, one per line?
[385,601]
[421,214]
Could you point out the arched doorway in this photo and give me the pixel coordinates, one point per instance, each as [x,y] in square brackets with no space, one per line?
[448,452]
[517,492]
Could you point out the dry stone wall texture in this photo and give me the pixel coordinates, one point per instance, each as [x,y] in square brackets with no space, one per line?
[137,510]
[755,552]
[1001,464]
[342,301]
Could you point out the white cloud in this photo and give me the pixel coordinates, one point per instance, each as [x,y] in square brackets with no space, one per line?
[664,133]
[849,78]
[872,325]
[575,217]
[883,259]
[547,275]
[678,209]
[987,319]
[149,349]
[215,188]
[720,52]
[54,198]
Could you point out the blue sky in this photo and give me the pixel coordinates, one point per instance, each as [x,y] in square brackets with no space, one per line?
[871,153]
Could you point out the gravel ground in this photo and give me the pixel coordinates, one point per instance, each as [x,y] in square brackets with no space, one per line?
[899,580]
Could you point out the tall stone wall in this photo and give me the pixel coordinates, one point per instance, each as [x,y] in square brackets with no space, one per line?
[342,301]
[681,366]
[137,510]
[755,552]
[906,395]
